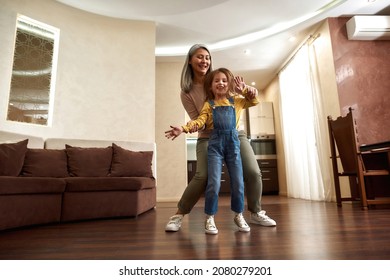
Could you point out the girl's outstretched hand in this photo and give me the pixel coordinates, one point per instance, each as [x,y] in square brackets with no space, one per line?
[173,132]
[252,92]
[240,84]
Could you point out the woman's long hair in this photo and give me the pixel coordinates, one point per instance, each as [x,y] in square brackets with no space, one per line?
[187,74]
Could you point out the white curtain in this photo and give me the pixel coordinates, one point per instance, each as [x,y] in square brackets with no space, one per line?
[304,128]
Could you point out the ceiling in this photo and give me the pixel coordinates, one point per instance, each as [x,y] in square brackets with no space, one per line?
[250,37]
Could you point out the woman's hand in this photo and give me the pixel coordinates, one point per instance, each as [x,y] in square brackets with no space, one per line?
[173,132]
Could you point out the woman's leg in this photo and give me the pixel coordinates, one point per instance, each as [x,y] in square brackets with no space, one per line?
[197,185]
[253,183]
[252,175]
[194,189]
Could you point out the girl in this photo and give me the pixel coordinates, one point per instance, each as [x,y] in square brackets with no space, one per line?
[221,115]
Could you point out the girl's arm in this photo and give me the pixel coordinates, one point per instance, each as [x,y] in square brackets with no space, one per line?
[173,132]
[252,92]
[191,126]
[200,121]
[250,98]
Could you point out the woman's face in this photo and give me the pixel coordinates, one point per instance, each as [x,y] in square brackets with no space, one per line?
[200,62]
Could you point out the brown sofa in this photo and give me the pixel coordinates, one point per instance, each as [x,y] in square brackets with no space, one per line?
[70,179]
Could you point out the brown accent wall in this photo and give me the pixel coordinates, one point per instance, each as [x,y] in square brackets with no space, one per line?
[363,81]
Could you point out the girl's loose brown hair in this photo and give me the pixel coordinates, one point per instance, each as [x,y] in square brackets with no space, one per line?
[209,80]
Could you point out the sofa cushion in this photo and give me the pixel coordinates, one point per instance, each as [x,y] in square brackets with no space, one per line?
[85,184]
[45,163]
[126,163]
[31,185]
[88,162]
[12,158]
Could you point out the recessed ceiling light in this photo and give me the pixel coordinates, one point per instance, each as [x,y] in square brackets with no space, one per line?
[253,83]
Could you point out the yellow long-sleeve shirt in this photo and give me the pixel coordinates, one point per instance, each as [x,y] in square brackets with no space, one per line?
[206,115]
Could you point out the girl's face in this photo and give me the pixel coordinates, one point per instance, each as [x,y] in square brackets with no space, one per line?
[219,85]
[200,62]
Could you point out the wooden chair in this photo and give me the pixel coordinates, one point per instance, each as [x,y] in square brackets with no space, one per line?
[343,136]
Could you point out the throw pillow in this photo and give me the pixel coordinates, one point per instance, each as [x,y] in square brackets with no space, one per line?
[126,163]
[12,158]
[45,163]
[88,162]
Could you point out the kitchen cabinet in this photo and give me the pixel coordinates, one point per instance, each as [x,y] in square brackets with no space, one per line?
[261,119]
[269,172]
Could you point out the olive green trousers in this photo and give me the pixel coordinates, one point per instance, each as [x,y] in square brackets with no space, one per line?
[252,177]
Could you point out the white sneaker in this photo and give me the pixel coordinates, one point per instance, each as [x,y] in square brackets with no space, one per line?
[241,223]
[261,218]
[210,227]
[174,223]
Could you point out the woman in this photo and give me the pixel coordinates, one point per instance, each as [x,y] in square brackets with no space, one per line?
[198,63]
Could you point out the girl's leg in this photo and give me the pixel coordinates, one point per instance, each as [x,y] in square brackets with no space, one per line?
[233,162]
[234,166]
[215,161]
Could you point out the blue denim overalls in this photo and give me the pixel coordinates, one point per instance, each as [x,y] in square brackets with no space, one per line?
[224,145]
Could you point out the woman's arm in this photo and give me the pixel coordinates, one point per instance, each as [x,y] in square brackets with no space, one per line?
[189,105]
[193,103]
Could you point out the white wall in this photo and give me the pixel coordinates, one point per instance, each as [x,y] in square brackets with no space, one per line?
[171,155]
[105,87]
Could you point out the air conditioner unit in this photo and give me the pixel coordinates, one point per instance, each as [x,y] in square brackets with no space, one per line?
[368,28]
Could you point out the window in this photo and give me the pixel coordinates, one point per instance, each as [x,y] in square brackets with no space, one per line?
[33,74]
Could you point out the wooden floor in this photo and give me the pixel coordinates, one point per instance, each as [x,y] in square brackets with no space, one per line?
[306,230]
